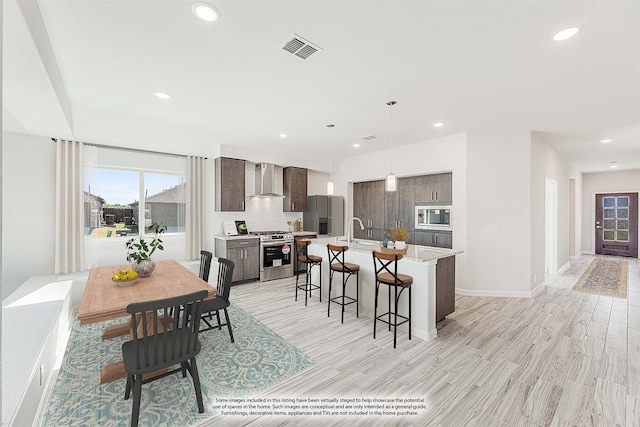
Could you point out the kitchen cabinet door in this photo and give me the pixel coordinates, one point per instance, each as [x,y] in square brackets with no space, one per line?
[245,254]
[434,189]
[369,206]
[406,204]
[360,207]
[445,287]
[376,204]
[391,205]
[437,239]
[295,190]
[443,188]
[230,190]
[251,260]
[399,205]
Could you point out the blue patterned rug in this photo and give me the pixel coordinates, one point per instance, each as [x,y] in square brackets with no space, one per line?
[257,360]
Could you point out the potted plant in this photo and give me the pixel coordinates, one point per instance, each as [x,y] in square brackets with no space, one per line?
[399,234]
[139,251]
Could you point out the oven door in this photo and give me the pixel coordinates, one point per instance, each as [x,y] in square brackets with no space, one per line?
[275,254]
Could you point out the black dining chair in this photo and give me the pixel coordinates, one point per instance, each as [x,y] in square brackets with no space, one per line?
[205,265]
[221,300]
[161,340]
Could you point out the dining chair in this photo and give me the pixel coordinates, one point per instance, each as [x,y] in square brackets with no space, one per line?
[205,265]
[160,341]
[221,300]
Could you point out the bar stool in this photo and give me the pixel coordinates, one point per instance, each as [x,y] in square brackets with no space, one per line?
[337,264]
[386,267]
[307,261]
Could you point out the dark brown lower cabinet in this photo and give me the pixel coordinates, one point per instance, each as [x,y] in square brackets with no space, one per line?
[445,287]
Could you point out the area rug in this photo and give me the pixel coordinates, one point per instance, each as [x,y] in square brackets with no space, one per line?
[604,277]
[257,360]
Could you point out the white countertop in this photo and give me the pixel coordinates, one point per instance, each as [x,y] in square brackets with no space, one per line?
[414,252]
[304,233]
[238,237]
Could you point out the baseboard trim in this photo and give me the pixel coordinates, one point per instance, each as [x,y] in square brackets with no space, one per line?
[499,294]
[564,268]
[538,289]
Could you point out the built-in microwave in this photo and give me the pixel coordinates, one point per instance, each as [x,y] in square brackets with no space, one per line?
[433,217]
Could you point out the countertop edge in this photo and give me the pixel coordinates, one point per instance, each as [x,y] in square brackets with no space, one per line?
[237,237]
[416,253]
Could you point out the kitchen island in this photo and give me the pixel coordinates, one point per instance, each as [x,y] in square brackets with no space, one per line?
[420,262]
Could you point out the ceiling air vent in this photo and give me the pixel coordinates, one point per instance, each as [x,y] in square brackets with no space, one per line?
[368,137]
[300,47]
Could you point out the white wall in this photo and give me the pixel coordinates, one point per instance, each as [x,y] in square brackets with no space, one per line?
[622,181]
[28,208]
[499,214]
[546,163]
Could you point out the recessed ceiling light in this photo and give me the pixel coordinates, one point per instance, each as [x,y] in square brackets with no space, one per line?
[438,124]
[283,135]
[614,164]
[565,34]
[356,145]
[606,141]
[162,95]
[205,11]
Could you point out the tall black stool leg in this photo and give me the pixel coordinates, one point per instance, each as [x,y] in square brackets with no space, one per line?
[410,312]
[344,287]
[329,299]
[358,293]
[375,309]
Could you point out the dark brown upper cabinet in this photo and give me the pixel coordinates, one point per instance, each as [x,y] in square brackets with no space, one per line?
[230,184]
[295,189]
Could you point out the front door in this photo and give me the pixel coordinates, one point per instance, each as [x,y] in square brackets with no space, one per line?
[617,224]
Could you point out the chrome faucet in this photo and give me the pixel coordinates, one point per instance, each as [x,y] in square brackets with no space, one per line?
[349,228]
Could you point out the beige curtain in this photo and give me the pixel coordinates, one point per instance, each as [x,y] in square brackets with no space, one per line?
[69,221]
[195,206]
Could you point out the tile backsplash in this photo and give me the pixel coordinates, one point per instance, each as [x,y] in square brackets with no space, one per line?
[261,214]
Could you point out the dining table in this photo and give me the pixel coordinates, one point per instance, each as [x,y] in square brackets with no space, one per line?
[107,299]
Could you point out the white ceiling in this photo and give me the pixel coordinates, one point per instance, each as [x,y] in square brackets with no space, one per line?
[87,69]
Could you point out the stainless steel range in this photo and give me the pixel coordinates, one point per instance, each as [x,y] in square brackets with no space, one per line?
[276,254]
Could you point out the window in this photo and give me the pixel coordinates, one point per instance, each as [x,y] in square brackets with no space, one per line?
[127,191]
[616,218]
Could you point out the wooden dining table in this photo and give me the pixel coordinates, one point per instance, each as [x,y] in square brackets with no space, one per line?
[106,299]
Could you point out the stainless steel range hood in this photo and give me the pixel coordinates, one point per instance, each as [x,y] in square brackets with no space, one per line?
[269,180]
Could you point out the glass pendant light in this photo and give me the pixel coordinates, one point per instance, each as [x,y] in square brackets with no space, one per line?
[330,186]
[391,182]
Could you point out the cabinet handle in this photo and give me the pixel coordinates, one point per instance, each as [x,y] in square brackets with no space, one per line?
[293,206]
[436,195]
[243,205]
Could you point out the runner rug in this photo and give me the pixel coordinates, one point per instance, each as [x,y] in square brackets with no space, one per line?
[257,360]
[604,277]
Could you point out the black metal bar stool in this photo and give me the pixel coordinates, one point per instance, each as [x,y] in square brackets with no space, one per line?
[386,267]
[307,261]
[337,264]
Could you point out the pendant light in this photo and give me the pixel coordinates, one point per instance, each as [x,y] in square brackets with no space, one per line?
[330,186]
[390,182]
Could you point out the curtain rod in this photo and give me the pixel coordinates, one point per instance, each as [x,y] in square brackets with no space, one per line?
[137,150]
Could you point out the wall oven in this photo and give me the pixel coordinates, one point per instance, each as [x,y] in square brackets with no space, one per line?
[433,217]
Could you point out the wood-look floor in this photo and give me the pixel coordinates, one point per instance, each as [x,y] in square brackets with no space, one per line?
[563,358]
